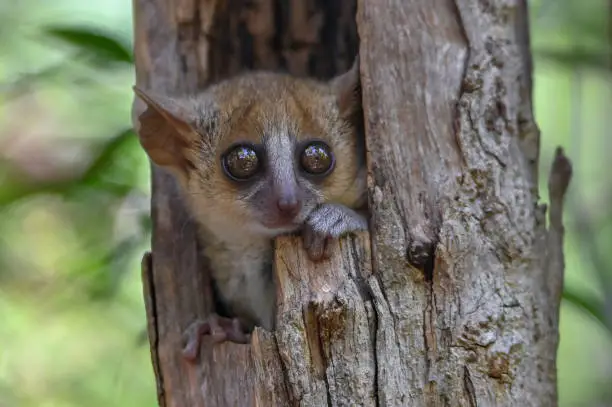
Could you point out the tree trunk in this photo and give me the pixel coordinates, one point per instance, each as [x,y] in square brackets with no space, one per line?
[459,302]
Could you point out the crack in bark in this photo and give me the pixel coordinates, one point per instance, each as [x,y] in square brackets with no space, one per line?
[429,331]
[430,264]
[373,336]
[151,302]
[284,371]
[388,305]
[367,296]
[468,387]
[315,346]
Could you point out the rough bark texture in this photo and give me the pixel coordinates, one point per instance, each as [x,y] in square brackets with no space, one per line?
[459,302]
[453,154]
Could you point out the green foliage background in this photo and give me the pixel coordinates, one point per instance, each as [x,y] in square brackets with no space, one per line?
[74,205]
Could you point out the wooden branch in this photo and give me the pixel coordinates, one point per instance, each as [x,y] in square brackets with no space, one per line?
[458,241]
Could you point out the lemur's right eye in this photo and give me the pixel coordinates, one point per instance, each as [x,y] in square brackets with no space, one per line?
[241,162]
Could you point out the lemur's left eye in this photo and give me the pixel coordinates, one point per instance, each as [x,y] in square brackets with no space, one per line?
[317,158]
[241,162]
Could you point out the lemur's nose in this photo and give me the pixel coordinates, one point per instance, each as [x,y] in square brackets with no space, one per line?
[289,205]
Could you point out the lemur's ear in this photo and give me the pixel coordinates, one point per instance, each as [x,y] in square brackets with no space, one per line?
[166,129]
[347,88]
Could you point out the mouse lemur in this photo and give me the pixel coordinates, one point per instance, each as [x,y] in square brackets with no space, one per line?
[257,156]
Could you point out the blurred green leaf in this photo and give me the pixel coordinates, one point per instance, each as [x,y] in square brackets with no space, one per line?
[107,154]
[28,81]
[576,58]
[101,46]
[588,304]
[104,274]
[146,223]
[18,187]
[21,188]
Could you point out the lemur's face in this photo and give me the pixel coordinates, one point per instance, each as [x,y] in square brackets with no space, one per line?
[262,149]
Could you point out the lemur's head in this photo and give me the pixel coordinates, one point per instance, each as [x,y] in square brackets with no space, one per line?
[261,149]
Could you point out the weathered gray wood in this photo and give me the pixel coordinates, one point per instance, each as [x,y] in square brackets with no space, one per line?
[469,295]
[326,324]
[458,301]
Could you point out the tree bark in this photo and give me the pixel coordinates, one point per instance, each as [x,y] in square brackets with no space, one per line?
[459,302]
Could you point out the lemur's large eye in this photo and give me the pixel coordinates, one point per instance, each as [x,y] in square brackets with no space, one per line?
[317,158]
[241,162]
